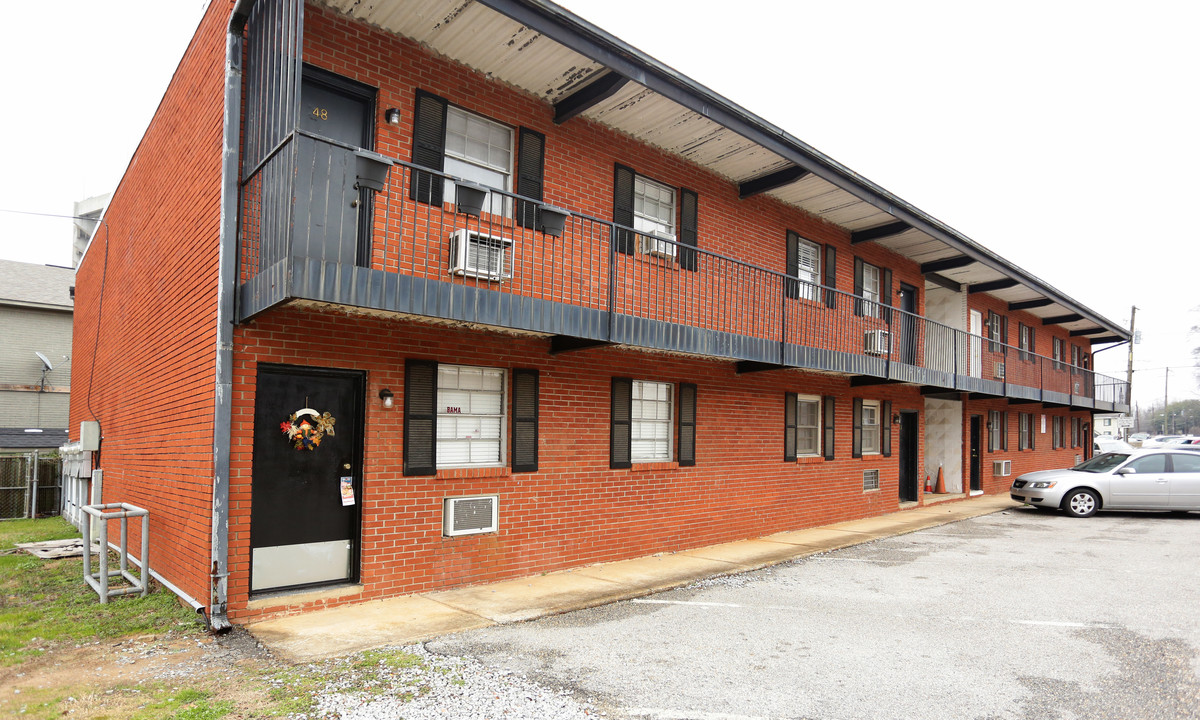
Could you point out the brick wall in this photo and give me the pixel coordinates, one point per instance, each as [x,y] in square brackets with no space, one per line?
[574,510]
[1043,456]
[145,318]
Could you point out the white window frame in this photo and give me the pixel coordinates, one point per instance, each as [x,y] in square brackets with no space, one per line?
[816,426]
[650,401]
[870,430]
[476,169]
[651,215]
[870,289]
[477,398]
[810,277]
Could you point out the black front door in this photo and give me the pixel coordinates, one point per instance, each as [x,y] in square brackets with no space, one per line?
[976,459]
[908,324]
[339,215]
[306,488]
[909,447]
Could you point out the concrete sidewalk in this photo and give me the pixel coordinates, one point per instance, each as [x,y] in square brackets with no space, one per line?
[413,618]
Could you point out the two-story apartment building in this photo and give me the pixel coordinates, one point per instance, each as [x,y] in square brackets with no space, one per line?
[415,294]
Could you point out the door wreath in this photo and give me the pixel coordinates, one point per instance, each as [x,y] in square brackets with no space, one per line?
[306,428]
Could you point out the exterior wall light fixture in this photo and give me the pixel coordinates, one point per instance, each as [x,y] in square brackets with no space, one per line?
[392,116]
[387,397]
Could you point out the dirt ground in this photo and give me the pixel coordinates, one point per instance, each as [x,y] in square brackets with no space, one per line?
[128,677]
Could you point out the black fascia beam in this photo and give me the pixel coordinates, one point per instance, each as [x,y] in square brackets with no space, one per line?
[1088,331]
[1108,339]
[1060,319]
[939,279]
[1022,401]
[937,266]
[601,47]
[588,96]
[983,396]
[568,343]
[879,233]
[1029,304]
[771,181]
[993,285]
[749,366]
[940,393]
[866,380]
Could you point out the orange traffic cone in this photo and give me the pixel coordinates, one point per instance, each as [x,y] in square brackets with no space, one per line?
[928,485]
[941,483]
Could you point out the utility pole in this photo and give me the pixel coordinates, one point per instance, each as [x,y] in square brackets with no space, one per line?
[1132,341]
[1166,379]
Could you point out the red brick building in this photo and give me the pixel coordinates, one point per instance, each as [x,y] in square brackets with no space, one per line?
[422,294]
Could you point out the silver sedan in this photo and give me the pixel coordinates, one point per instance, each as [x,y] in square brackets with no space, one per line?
[1157,479]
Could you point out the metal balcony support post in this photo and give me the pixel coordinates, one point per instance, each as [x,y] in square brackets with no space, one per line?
[612,277]
[954,363]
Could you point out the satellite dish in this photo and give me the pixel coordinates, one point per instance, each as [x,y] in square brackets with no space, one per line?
[44,360]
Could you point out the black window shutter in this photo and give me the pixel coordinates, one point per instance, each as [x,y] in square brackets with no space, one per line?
[531,169]
[420,417]
[1004,334]
[620,436]
[830,429]
[885,295]
[885,428]
[993,330]
[830,275]
[856,434]
[1032,345]
[858,286]
[789,426]
[623,209]
[792,287]
[1004,431]
[429,148]
[525,421]
[689,229]
[687,424]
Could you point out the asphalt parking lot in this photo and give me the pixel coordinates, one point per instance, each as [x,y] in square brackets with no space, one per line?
[1017,614]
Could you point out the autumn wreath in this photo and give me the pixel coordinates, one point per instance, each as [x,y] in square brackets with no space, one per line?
[306,428]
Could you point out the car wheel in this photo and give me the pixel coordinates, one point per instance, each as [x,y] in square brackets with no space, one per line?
[1081,503]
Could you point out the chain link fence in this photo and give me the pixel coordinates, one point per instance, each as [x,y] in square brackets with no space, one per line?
[30,484]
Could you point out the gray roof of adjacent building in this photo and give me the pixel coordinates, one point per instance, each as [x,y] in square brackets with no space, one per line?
[40,286]
[32,438]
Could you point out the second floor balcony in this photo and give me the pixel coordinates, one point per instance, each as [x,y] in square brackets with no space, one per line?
[327,222]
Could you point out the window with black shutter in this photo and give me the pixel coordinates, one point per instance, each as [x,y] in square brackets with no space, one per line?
[429,148]
[856,428]
[525,420]
[620,438]
[885,295]
[829,426]
[420,417]
[687,424]
[830,275]
[531,161]
[689,229]
[789,426]
[623,239]
[885,428]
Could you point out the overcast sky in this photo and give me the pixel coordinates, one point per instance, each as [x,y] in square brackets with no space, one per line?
[1064,136]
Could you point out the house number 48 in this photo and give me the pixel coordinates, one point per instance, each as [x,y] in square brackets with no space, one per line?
[320,113]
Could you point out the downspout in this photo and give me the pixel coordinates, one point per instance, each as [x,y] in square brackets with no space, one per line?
[226,278]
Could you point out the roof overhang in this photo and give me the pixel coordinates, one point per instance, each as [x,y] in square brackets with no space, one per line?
[580,70]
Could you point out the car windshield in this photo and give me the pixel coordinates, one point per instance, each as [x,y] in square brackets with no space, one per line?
[1102,463]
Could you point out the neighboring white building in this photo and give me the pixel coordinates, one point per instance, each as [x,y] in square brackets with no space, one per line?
[36,312]
[1115,424]
[87,216]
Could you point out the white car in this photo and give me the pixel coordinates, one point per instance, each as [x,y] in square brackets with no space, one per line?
[1158,440]
[1155,479]
[1108,443]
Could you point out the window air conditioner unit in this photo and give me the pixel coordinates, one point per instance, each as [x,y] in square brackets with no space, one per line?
[660,244]
[1076,386]
[470,515]
[999,371]
[1002,468]
[473,254]
[877,342]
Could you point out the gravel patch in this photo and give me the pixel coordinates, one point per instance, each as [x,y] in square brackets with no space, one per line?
[442,687]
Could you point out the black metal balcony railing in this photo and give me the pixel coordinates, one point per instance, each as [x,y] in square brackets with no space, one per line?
[301,238]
